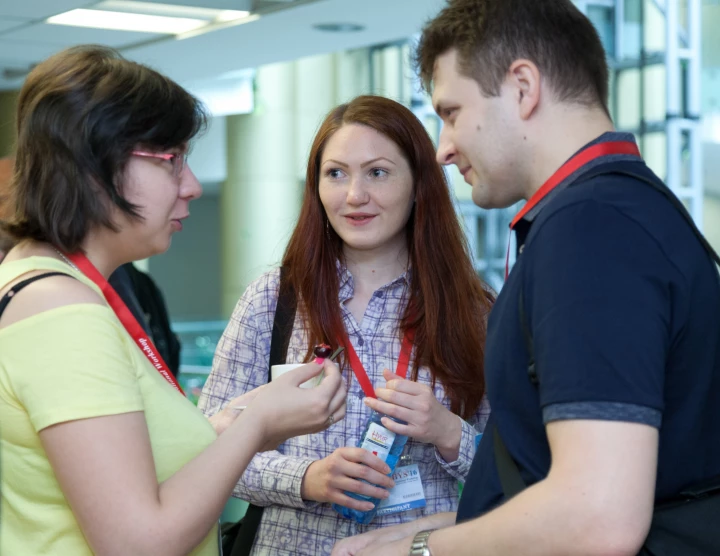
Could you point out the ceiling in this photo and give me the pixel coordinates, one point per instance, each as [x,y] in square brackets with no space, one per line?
[282,34]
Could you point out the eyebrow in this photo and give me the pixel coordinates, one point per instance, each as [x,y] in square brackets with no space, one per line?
[363,165]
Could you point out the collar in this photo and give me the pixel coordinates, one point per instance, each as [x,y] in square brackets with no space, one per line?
[346,282]
[606,137]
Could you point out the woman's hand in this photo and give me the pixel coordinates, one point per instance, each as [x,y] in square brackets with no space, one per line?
[226,417]
[327,480]
[282,409]
[427,419]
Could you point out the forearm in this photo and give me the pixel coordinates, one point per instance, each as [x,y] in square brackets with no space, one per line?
[274,478]
[542,520]
[211,476]
[411,528]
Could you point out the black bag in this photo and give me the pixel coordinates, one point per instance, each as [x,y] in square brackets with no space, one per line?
[686,525]
[237,538]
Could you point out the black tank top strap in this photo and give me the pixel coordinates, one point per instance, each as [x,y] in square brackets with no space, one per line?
[20,285]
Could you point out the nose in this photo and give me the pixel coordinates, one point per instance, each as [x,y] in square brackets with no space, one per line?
[357,194]
[446,151]
[190,187]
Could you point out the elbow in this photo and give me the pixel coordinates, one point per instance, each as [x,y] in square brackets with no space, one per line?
[613,535]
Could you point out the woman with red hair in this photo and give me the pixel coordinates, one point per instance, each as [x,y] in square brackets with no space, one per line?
[379,265]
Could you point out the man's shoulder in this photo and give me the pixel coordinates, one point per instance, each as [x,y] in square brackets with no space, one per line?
[618,200]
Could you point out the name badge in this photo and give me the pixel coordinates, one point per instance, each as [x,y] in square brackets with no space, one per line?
[408,493]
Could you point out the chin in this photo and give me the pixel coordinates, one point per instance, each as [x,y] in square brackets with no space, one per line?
[484,198]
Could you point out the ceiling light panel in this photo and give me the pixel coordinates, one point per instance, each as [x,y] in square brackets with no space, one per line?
[171,10]
[123,21]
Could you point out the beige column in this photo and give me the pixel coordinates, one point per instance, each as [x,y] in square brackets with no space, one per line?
[259,198]
[267,157]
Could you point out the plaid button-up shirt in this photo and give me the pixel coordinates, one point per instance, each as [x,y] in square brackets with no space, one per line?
[291,525]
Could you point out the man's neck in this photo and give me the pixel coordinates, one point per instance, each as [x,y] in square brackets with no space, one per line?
[555,144]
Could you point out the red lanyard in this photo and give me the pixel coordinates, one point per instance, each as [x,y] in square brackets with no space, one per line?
[126,317]
[571,166]
[357,366]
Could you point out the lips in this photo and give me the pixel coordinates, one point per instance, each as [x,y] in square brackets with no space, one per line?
[358,219]
[177,222]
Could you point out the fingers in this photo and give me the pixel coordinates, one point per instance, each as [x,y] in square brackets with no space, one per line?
[400,399]
[337,407]
[349,502]
[397,428]
[360,464]
[393,410]
[400,384]
[302,374]
[332,379]
[348,484]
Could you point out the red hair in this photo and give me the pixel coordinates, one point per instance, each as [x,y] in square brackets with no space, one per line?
[449,302]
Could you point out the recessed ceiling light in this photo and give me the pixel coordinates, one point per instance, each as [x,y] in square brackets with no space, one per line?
[339,27]
[123,21]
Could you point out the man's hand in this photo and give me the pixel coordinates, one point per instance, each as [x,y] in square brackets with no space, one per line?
[351,546]
[396,548]
[396,539]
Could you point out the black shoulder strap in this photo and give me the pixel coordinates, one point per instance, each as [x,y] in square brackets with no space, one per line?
[510,478]
[283,323]
[282,329]
[20,285]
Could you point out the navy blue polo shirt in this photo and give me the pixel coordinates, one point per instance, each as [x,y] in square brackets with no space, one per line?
[623,306]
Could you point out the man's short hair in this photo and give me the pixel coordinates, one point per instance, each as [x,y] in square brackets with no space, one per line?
[489,35]
[81,113]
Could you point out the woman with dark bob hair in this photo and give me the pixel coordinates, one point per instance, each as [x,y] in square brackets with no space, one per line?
[101,454]
[380,266]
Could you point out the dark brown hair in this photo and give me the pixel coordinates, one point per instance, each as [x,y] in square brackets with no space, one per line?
[489,35]
[448,304]
[80,115]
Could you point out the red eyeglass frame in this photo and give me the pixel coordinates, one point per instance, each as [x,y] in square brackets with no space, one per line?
[172,157]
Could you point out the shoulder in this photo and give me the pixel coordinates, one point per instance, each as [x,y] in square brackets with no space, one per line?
[621,213]
[47,294]
[259,300]
[263,291]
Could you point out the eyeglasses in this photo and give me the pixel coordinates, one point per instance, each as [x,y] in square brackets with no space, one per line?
[178,160]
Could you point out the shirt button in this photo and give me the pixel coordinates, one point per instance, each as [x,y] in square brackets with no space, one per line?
[522,248]
[361,342]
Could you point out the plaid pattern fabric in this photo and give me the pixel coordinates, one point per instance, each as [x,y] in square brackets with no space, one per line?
[290,525]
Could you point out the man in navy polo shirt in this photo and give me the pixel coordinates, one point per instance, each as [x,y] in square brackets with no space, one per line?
[612,288]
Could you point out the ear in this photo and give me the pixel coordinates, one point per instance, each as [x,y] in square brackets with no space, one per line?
[524,80]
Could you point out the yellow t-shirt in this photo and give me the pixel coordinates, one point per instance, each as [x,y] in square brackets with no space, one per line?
[76,362]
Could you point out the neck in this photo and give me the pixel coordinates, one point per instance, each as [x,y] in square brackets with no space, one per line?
[575,127]
[104,259]
[375,268]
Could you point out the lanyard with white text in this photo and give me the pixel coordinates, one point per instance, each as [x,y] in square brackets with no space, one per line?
[566,170]
[126,317]
[357,366]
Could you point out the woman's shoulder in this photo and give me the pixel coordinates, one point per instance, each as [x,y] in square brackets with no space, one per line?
[62,289]
[259,300]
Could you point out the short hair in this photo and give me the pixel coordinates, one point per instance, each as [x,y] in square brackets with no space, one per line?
[6,170]
[80,114]
[489,35]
